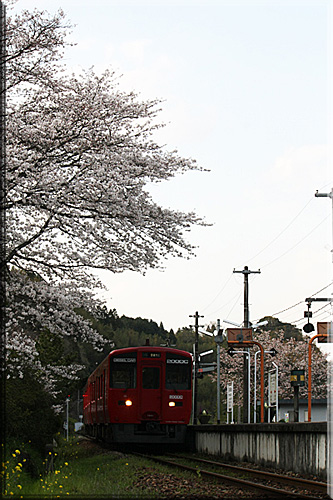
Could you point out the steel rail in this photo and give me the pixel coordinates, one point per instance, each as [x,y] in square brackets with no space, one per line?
[276,492]
[306,483]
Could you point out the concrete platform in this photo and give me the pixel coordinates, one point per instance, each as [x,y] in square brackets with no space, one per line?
[297,447]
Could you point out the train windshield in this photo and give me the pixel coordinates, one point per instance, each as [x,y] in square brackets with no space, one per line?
[123,371]
[178,372]
[150,377]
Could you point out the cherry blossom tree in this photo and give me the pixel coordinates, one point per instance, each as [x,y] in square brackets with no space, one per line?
[291,354]
[80,157]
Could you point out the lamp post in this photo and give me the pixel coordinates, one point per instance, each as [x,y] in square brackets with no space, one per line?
[67,417]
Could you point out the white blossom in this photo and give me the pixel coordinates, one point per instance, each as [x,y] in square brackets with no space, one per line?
[80,155]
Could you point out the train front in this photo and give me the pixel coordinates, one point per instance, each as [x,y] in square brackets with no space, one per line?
[150,395]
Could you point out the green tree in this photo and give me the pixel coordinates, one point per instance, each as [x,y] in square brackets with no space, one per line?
[29,414]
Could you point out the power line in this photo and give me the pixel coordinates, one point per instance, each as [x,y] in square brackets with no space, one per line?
[218,294]
[301,302]
[281,232]
[315,313]
[296,244]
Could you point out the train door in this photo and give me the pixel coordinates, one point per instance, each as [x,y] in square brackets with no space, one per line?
[150,402]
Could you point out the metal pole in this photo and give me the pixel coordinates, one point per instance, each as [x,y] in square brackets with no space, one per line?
[218,367]
[67,419]
[255,387]
[269,398]
[249,388]
[246,374]
[277,392]
[232,407]
[327,195]
[296,403]
[194,383]
[196,361]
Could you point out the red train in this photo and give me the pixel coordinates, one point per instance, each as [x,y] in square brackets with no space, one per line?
[140,395]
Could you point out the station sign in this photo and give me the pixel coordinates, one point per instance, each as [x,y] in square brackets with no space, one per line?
[230,397]
[325,329]
[273,388]
[239,334]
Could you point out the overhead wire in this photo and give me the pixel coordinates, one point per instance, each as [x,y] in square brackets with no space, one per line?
[277,258]
[281,232]
[296,244]
[301,302]
[233,307]
[314,315]
[218,294]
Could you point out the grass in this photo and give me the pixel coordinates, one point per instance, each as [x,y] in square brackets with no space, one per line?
[78,472]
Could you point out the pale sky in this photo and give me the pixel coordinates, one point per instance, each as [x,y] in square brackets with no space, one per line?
[248,94]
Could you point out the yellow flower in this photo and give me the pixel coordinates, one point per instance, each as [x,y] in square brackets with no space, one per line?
[17,451]
[19,486]
[66,463]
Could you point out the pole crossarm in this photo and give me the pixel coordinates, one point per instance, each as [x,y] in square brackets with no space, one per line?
[314,299]
[250,343]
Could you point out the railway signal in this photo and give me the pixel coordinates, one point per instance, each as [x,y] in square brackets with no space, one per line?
[308,327]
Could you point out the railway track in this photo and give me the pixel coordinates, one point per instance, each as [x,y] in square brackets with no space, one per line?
[264,482]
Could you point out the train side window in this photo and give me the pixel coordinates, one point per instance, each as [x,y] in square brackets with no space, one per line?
[150,377]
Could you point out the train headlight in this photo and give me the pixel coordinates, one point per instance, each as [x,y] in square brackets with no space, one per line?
[128,402]
[172,403]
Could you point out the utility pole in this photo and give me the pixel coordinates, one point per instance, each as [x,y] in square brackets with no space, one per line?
[327,195]
[218,340]
[196,366]
[246,374]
